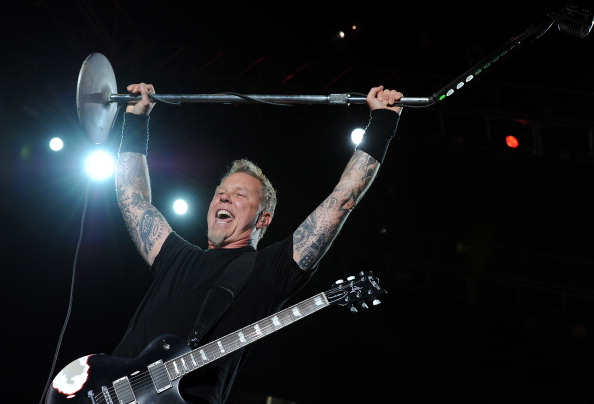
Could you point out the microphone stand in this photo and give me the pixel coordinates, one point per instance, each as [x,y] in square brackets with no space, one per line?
[96,90]
[498,56]
[503,53]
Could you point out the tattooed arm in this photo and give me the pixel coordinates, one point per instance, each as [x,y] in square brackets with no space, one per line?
[316,234]
[147,226]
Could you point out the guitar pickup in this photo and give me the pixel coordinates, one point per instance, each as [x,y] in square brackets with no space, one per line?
[124,391]
[159,376]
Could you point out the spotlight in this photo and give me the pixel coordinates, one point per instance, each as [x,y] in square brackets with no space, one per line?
[180,207]
[512,142]
[56,144]
[357,135]
[100,165]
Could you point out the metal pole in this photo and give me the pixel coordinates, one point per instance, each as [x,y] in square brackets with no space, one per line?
[234,98]
[343,99]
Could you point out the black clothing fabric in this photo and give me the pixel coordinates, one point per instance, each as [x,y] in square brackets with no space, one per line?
[182,274]
[135,133]
[379,133]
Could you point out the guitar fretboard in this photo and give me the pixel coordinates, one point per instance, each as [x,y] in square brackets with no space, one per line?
[205,354]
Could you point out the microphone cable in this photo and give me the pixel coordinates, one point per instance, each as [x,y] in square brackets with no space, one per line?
[47,385]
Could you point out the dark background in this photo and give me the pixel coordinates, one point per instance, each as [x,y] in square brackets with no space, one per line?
[485,252]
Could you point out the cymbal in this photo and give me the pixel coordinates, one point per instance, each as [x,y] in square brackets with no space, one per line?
[96,81]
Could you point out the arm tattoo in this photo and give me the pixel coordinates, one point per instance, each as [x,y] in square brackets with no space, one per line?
[144,222]
[150,229]
[132,175]
[315,235]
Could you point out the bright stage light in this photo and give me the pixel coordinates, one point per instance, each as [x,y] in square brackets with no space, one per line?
[100,165]
[56,144]
[512,142]
[357,135]
[180,206]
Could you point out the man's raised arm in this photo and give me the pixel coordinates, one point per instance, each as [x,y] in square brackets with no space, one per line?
[146,224]
[315,235]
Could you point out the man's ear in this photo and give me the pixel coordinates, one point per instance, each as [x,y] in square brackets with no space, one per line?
[264,220]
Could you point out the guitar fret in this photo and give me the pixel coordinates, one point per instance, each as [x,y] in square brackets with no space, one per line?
[286,318]
[221,348]
[318,301]
[213,351]
[189,361]
[276,322]
[210,352]
[258,330]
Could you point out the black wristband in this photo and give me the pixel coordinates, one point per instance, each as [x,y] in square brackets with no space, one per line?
[135,133]
[379,132]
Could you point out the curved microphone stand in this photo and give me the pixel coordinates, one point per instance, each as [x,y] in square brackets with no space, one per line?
[97,96]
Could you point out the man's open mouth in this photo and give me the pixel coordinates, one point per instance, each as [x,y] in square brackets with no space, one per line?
[224,215]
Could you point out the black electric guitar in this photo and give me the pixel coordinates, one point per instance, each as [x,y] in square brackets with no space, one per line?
[153,376]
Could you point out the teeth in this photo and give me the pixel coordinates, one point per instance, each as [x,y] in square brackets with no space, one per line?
[223,214]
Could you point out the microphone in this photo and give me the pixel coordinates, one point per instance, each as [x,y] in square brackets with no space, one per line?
[575,21]
[571,20]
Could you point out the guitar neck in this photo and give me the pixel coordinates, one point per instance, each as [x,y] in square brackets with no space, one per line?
[205,354]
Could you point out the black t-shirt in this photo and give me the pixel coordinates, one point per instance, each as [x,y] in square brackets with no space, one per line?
[182,274]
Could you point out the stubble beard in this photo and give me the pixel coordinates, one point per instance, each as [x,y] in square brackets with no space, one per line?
[216,238]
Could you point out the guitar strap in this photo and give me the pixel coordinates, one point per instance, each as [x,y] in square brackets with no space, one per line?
[220,297]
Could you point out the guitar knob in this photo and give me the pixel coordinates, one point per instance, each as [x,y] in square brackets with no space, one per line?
[376,302]
[364,305]
[339,281]
[354,309]
[350,278]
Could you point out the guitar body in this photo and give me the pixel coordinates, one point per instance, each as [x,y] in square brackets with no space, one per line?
[90,379]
